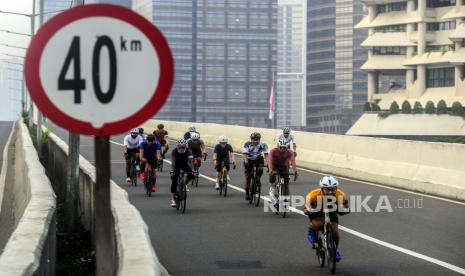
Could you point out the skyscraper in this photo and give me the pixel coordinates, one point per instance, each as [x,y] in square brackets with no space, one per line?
[336,87]
[124,3]
[291,78]
[53,7]
[225,57]
[10,89]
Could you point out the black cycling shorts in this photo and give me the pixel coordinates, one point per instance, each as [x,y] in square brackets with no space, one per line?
[226,164]
[320,214]
[258,162]
[131,152]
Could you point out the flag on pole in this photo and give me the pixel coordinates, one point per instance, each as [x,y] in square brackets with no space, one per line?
[272,105]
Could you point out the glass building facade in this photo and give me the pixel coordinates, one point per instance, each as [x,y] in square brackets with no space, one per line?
[336,87]
[225,56]
[53,7]
[291,78]
[124,3]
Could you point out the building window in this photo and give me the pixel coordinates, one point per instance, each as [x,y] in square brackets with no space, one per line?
[440,3]
[397,6]
[389,50]
[391,29]
[440,48]
[441,26]
[440,77]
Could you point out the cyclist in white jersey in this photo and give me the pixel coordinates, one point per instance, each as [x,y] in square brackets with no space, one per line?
[131,144]
[289,137]
[252,154]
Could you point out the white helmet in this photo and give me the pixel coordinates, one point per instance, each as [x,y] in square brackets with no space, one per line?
[135,130]
[181,142]
[329,181]
[195,136]
[283,143]
[286,130]
[192,128]
[223,139]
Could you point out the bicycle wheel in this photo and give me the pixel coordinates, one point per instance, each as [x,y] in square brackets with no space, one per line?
[225,182]
[281,200]
[257,194]
[320,252]
[160,165]
[276,205]
[184,200]
[251,191]
[148,185]
[179,193]
[220,179]
[133,172]
[196,176]
[331,248]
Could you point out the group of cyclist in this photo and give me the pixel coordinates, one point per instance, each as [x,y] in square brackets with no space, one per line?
[190,149]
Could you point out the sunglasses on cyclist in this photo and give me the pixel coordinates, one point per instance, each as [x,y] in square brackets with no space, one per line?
[329,189]
[182,148]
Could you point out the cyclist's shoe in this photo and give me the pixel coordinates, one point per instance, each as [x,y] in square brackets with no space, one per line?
[128,179]
[142,176]
[217,186]
[311,236]
[338,256]
[247,196]
[137,168]
[229,179]
[154,189]
[187,189]
[173,203]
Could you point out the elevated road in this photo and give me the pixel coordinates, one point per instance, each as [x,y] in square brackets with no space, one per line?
[227,236]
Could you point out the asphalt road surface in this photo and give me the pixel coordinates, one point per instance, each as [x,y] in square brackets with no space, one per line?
[421,235]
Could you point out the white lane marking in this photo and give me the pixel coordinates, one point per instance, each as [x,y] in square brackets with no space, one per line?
[358,234]
[378,185]
[5,165]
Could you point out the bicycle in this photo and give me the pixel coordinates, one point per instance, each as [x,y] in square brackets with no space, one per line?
[160,164]
[282,204]
[133,173]
[181,193]
[255,187]
[326,246]
[196,162]
[223,179]
[150,180]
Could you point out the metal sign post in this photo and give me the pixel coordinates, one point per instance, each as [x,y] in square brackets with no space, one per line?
[115,73]
[103,237]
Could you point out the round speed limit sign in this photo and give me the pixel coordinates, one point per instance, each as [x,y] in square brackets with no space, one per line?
[99,69]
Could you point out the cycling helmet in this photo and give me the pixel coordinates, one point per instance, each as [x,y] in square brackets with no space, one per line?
[282,143]
[141,130]
[181,142]
[255,136]
[195,136]
[161,126]
[135,130]
[329,181]
[192,128]
[150,137]
[286,130]
[223,140]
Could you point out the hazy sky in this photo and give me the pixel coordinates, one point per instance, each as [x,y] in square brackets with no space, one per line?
[17,23]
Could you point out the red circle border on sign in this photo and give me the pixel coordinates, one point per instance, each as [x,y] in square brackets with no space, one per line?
[49,109]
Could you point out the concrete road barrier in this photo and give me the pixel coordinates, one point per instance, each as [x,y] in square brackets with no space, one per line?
[426,167]
[31,248]
[132,247]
